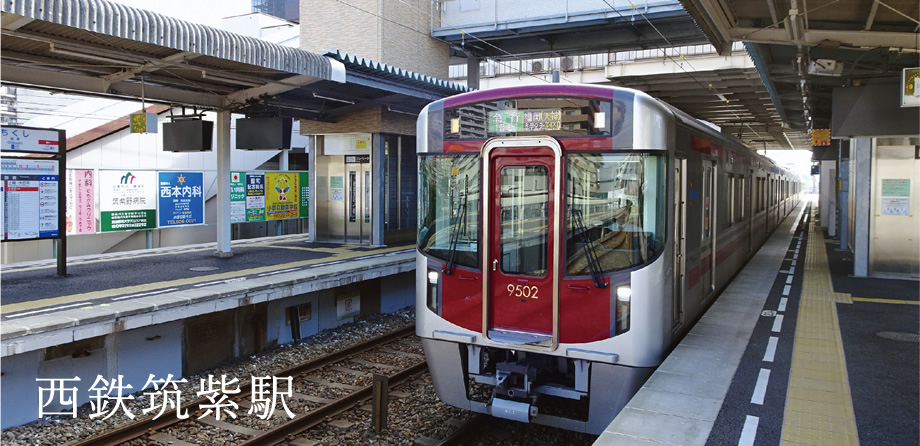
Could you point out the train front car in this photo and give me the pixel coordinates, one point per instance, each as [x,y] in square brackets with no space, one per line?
[543,269]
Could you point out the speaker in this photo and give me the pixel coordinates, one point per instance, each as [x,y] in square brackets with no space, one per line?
[263,133]
[188,135]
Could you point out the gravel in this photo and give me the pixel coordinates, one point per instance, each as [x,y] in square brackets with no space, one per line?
[414,411]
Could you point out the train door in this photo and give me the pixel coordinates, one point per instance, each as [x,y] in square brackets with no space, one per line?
[708,243]
[752,209]
[769,188]
[680,243]
[521,245]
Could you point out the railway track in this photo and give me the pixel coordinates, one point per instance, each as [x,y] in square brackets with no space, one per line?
[344,364]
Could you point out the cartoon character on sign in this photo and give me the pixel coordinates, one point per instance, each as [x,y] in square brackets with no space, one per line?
[282,187]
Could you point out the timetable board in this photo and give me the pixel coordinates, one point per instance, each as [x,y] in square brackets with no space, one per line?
[30,195]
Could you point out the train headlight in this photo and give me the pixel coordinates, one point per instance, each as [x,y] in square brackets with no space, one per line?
[624,293]
[432,290]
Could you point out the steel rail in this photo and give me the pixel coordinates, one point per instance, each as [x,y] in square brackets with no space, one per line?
[310,419]
[467,432]
[143,427]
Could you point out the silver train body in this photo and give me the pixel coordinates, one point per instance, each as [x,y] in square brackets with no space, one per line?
[715,204]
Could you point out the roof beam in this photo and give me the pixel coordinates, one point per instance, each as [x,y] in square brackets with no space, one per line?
[270,89]
[91,84]
[813,37]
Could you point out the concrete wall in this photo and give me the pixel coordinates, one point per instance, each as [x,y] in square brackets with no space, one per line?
[390,32]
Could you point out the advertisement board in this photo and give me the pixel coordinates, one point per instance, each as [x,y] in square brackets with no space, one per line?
[81,201]
[282,197]
[127,200]
[181,201]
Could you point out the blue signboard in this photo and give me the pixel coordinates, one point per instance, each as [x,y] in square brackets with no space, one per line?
[181,200]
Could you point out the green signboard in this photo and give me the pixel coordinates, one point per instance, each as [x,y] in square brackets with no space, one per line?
[304,194]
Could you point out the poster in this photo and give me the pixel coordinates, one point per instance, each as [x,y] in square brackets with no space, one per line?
[898,206]
[127,200]
[181,200]
[81,201]
[282,195]
[337,188]
[30,189]
[255,197]
[237,197]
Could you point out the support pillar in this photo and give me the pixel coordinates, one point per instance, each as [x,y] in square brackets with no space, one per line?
[472,72]
[377,189]
[223,185]
[861,151]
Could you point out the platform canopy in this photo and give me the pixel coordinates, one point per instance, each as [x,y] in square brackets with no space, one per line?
[103,48]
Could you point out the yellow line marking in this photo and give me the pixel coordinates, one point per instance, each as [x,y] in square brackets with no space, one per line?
[177,250]
[178,282]
[886,301]
[819,406]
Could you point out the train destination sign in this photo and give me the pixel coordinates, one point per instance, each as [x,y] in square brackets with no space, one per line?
[518,121]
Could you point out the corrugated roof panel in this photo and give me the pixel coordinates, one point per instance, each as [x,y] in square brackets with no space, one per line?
[117,20]
[390,72]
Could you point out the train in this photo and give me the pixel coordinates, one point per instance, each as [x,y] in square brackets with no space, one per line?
[569,236]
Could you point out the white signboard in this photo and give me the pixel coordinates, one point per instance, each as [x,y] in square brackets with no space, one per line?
[899,206]
[30,140]
[127,200]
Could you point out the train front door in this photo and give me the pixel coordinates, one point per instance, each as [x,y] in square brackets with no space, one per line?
[521,245]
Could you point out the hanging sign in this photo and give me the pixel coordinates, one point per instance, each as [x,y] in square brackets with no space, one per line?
[181,201]
[144,123]
[30,191]
[127,200]
[821,137]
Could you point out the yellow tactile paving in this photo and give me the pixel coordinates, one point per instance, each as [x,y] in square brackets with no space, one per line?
[819,408]
[886,301]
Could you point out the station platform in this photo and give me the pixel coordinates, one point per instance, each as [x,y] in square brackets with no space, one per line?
[106,293]
[794,351]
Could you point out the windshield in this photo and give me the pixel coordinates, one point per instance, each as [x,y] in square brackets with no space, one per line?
[448,207]
[616,210]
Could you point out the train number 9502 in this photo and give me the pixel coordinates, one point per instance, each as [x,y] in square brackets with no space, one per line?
[523,291]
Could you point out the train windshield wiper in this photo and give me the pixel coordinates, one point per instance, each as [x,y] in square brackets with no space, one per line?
[588,244]
[458,226]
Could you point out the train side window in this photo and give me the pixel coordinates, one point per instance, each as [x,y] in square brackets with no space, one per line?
[740,196]
[448,207]
[730,199]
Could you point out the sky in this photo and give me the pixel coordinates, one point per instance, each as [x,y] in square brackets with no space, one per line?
[205,12]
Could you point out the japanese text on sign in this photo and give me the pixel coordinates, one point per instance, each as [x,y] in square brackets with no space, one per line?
[515,121]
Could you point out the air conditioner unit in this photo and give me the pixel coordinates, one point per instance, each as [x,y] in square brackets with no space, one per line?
[570,63]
